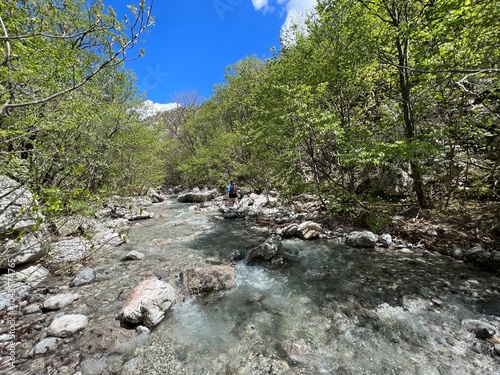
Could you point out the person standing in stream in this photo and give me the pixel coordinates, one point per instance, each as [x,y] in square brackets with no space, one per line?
[233,190]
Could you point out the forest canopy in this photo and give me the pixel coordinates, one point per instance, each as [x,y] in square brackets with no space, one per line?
[378,99]
[372,102]
[66,128]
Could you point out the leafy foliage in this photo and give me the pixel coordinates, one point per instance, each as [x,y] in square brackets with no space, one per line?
[372,87]
[65,124]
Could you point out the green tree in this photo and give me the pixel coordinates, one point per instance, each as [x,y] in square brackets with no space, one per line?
[64,94]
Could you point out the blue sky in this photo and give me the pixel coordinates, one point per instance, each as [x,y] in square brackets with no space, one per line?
[193,41]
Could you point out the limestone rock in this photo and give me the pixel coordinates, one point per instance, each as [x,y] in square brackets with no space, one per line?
[148,302]
[70,250]
[59,301]
[133,255]
[84,277]
[155,196]
[209,279]
[16,202]
[30,248]
[197,196]
[361,239]
[309,230]
[23,235]
[385,240]
[265,251]
[290,231]
[29,276]
[67,325]
[48,344]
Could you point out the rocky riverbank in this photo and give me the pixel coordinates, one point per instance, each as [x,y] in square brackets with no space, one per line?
[70,297]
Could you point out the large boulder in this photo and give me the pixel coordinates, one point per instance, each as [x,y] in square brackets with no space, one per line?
[148,302]
[69,250]
[391,181]
[265,251]
[208,279]
[197,196]
[28,248]
[257,201]
[18,212]
[361,239]
[309,230]
[22,233]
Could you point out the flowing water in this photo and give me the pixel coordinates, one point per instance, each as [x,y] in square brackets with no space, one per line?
[337,310]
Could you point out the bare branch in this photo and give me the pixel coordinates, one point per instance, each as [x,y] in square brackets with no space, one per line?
[143,20]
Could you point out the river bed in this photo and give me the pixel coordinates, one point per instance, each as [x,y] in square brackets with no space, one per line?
[335,310]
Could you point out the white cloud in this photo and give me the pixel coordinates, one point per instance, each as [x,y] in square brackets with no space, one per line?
[298,5]
[259,4]
[295,11]
[149,108]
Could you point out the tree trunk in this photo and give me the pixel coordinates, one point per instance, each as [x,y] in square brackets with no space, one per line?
[404,86]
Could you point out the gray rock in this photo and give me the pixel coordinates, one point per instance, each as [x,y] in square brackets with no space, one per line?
[138,215]
[476,250]
[24,277]
[209,279]
[6,337]
[32,308]
[385,240]
[431,232]
[17,212]
[30,248]
[22,231]
[290,231]
[361,239]
[4,301]
[148,302]
[309,230]
[59,301]
[110,237]
[84,277]
[70,250]
[161,274]
[133,255]
[67,325]
[256,201]
[48,344]
[457,251]
[197,196]
[142,329]
[73,225]
[155,196]
[496,349]
[265,251]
